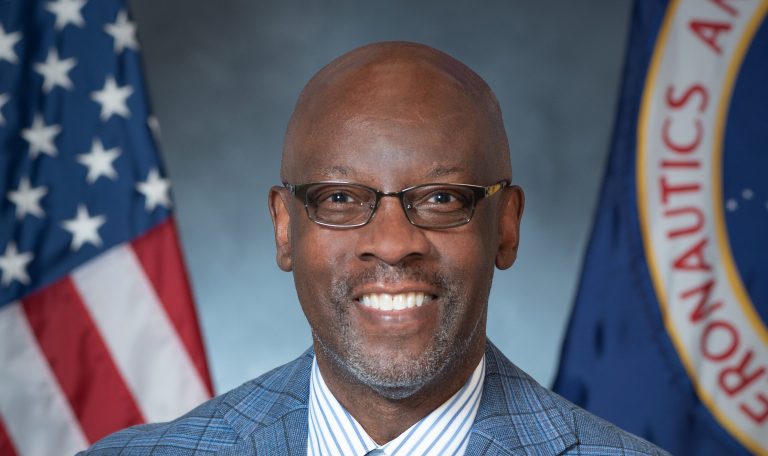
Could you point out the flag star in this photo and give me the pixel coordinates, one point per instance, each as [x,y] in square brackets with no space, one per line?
[7,42]
[112,99]
[40,137]
[124,33]
[84,228]
[67,12]
[27,199]
[99,162]
[13,265]
[156,190]
[4,98]
[55,71]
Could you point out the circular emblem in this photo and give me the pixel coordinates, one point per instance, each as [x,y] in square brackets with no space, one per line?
[702,193]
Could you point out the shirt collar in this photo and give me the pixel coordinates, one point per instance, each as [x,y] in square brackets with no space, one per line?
[332,430]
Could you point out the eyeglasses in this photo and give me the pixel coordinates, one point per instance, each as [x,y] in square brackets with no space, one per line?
[433,206]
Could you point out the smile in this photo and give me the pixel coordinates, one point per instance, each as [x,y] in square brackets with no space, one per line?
[399,301]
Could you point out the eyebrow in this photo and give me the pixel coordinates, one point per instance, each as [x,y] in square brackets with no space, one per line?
[435,172]
[333,171]
[442,171]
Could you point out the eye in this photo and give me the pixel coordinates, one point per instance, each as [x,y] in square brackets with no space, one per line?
[441,198]
[339,198]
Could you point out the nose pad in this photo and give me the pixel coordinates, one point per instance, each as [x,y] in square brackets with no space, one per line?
[406,206]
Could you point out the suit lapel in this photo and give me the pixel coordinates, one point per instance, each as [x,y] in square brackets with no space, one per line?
[517,415]
[271,415]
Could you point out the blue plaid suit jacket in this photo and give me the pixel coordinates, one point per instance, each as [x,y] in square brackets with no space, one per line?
[268,416]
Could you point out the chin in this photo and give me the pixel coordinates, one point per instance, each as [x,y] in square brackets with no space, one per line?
[396,374]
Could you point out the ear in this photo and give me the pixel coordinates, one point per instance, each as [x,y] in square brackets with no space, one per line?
[513,201]
[281,220]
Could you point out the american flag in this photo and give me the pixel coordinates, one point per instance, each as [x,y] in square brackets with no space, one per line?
[97,324]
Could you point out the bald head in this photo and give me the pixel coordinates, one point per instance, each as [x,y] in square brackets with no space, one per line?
[369,95]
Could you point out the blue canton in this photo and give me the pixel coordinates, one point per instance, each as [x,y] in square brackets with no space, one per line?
[80,167]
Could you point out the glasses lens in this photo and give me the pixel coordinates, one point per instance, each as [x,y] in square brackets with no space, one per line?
[340,204]
[439,206]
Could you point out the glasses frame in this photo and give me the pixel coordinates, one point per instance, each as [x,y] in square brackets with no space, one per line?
[479,192]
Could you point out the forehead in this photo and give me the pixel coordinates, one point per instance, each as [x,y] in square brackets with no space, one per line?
[391,123]
[435,172]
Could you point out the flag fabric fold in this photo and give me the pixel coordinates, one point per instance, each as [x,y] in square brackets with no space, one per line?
[98,329]
[668,334]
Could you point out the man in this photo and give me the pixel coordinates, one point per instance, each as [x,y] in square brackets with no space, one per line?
[397,204]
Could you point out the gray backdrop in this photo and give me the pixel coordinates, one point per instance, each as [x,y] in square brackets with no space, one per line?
[223,78]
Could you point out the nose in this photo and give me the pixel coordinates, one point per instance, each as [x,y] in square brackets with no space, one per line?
[390,237]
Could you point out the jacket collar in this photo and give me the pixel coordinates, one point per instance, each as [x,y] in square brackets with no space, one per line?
[516,415]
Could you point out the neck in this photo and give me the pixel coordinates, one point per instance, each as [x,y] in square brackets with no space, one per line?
[384,419]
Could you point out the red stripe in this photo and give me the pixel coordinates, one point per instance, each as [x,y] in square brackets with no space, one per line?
[160,257]
[6,448]
[80,360]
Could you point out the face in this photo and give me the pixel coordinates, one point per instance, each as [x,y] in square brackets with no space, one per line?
[344,276]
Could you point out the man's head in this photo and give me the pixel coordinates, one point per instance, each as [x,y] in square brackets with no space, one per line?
[391,116]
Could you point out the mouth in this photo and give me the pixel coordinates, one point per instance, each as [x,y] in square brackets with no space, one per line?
[395,301]
[396,310]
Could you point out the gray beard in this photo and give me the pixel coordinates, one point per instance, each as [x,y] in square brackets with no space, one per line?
[403,377]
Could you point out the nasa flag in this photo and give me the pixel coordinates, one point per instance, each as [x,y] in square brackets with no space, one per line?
[669,337]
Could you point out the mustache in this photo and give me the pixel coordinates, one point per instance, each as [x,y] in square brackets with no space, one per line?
[385,273]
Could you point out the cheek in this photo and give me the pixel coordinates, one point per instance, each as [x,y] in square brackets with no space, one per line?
[318,258]
[470,248]
[468,256]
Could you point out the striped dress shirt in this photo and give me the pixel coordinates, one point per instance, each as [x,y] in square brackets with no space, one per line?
[445,431]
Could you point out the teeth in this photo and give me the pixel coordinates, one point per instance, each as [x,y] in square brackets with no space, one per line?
[400,301]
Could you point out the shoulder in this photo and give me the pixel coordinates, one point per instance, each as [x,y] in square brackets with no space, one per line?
[219,423]
[548,421]
[598,436]
[191,433]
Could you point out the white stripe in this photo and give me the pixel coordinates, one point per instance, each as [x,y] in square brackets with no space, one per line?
[338,421]
[324,406]
[316,433]
[139,334]
[442,428]
[35,411]
[444,431]
[462,424]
